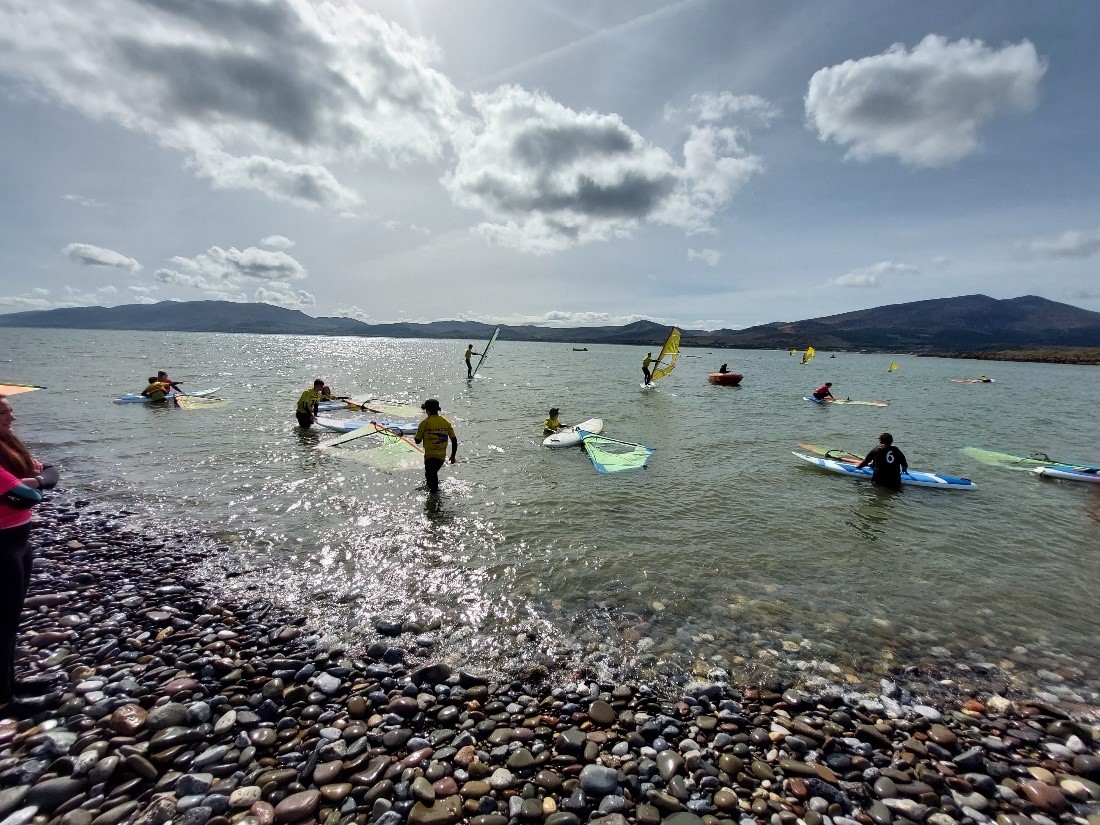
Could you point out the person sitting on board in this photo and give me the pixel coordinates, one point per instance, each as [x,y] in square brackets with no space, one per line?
[470,354]
[306,411]
[723,369]
[824,391]
[985,380]
[887,463]
[162,376]
[157,390]
[645,366]
[434,431]
[551,425]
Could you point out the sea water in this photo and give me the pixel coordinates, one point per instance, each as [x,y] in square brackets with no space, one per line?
[727,557]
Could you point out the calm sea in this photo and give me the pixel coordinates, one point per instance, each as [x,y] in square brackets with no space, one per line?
[726,556]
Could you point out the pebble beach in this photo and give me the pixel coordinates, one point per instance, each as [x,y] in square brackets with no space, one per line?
[164,700]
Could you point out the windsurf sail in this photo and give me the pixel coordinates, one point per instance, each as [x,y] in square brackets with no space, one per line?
[15,389]
[610,455]
[198,402]
[808,356]
[378,447]
[666,361]
[377,405]
[794,352]
[485,351]
[893,367]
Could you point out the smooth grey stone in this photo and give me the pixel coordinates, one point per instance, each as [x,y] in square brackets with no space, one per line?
[12,798]
[172,714]
[599,781]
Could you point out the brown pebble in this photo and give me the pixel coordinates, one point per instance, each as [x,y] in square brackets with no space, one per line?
[1046,798]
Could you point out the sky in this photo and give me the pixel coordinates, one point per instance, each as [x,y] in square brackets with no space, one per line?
[708,163]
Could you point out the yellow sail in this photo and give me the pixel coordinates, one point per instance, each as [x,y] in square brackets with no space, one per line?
[893,367]
[667,359]
[808,356]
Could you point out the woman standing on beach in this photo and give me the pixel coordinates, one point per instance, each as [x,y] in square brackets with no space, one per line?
[16,553]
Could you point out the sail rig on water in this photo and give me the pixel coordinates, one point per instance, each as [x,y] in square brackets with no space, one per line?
[485,351]
[15,389]
[894,367]
[808,356]
[609,455]
[378,447]
[666,361]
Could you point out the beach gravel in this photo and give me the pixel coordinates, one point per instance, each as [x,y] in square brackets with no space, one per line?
[159,701]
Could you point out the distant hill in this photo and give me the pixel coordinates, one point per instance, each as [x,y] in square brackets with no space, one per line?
[970,322]
[973,324]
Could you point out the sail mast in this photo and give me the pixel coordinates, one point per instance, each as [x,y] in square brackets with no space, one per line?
[485,351]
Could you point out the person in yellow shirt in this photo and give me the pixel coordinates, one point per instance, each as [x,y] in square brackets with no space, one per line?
[157,390]
[552,425]
[470,367]
[645,365]
[434,432]
[306,411]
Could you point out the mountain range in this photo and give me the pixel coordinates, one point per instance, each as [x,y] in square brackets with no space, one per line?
[970,324]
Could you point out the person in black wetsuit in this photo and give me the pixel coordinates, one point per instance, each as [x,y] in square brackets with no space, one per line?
[16,552]
[887,463]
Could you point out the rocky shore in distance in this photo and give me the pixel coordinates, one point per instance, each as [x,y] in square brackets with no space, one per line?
[165,703]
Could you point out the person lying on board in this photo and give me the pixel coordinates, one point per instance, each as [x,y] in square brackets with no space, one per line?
[551,425]
[824,391]
[157,390]
[326,395]
[163,378]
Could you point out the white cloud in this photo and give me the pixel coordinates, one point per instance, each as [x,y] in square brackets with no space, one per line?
[141,290]
[549,178]
[89,255]
[710,257]
[25,302]
[923,106]
[1074,243]
[277,242]
[284,295]
[558,318]
[725,107]
[356,313]
[870,276]
[72,296]
[256,95]
[90,203]
[226,274]
[217,264]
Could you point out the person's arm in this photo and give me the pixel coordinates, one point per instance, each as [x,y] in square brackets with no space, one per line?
[46,479]
[454,448]
[869,459]
[904,461]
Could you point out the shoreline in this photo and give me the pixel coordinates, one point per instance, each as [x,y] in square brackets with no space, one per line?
[172,703]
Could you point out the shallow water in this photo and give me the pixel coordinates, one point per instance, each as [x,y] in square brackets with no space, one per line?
[726,553]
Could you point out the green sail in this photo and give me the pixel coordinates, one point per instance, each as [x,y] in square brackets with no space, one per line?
[610,455]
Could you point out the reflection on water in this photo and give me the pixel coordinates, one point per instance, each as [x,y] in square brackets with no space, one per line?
[872,511]
[727,553]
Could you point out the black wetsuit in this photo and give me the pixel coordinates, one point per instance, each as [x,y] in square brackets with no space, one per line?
[887,463]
